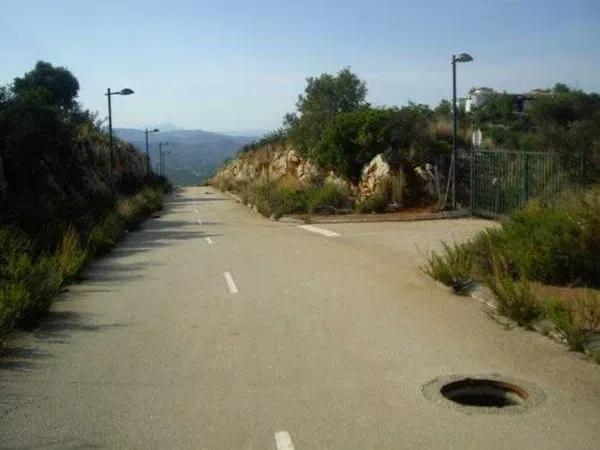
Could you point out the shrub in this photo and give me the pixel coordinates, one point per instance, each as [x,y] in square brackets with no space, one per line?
[33,282]
[555,243]
[452,267]
[105,235]
[289,201]
[563,318]
[373,204]
[14,296]
[327,195]
[134,210]
[43,282]
[587,311]
[71,255]
[516,298]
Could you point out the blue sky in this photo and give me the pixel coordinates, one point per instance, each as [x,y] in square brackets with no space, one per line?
[234,65]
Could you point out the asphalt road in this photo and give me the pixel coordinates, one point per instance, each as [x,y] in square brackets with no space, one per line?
[213,328]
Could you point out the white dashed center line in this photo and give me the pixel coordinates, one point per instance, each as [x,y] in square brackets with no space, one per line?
[283,441]
[208,240]
[318,230]
[230,283]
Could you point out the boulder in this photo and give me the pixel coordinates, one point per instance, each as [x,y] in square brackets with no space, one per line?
[375,176]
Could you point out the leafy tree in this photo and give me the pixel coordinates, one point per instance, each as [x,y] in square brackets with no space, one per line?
[444,109]
[352,139]
[58,81]
[324,97]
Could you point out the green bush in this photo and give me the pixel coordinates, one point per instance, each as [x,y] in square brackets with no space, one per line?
[563,318]
[33,282]
[374,204]
[555,243]
[134,210]
[105,235]
[516,298]
[453,266]
[71,255]
[289,201]
[14,297]
[328,195]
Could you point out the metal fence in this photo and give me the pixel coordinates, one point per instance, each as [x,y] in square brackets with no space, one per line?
[504,180]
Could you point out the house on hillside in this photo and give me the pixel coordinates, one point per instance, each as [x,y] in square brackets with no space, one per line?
[477,97]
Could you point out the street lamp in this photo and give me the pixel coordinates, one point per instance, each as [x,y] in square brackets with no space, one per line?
[109,94]
[161,156]
[463,57]
[147,131]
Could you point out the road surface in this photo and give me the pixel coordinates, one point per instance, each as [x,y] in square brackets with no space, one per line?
[213,328]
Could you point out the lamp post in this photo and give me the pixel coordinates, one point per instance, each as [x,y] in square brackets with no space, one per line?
[161,156]
[147,132]
[109,94]
[463,57]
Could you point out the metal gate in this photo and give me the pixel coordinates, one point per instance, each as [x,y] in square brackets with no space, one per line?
[505,180]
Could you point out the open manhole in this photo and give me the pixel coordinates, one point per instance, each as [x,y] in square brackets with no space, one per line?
[490,393]
[486,393]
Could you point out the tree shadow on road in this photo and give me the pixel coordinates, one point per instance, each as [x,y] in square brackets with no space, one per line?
[30,347]
[27,352]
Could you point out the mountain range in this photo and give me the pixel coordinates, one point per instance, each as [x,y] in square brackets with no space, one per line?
[192,155]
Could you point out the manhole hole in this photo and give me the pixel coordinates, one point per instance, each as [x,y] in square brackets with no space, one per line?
[485,393]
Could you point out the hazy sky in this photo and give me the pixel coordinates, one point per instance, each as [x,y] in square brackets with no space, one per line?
[231,64]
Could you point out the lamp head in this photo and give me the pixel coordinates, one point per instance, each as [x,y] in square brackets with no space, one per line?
[463,57]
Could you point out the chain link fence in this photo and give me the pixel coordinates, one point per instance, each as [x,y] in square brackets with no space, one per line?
[501,181]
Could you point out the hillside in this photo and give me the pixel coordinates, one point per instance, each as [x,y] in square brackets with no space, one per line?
[194,154]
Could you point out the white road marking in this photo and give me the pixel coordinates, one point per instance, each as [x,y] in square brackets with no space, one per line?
[318,230]
[230,283]
[283,441]
[208,240]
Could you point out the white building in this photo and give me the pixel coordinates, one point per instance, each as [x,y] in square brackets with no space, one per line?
[477,98]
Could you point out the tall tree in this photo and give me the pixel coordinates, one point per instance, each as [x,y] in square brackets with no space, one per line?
[324,97]
[61,85]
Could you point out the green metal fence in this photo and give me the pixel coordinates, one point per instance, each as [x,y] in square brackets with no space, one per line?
[504,180]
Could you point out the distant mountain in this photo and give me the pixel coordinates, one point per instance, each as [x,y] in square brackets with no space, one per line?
[165,126]
[258,132]
[193,156]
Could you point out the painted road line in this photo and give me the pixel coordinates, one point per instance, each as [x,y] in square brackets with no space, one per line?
[318,230]
[230,283]
[208,240]
[283,441]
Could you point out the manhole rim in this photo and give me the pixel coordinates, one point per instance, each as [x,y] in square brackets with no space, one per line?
[534,395]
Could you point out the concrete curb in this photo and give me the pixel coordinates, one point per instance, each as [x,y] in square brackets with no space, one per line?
[458,214]
[543,326]
[374,218]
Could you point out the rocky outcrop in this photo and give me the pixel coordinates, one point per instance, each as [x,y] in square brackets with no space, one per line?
[286,166]
[278,161]
[374,178]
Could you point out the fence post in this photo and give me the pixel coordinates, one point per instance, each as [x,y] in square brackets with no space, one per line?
[526,177]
